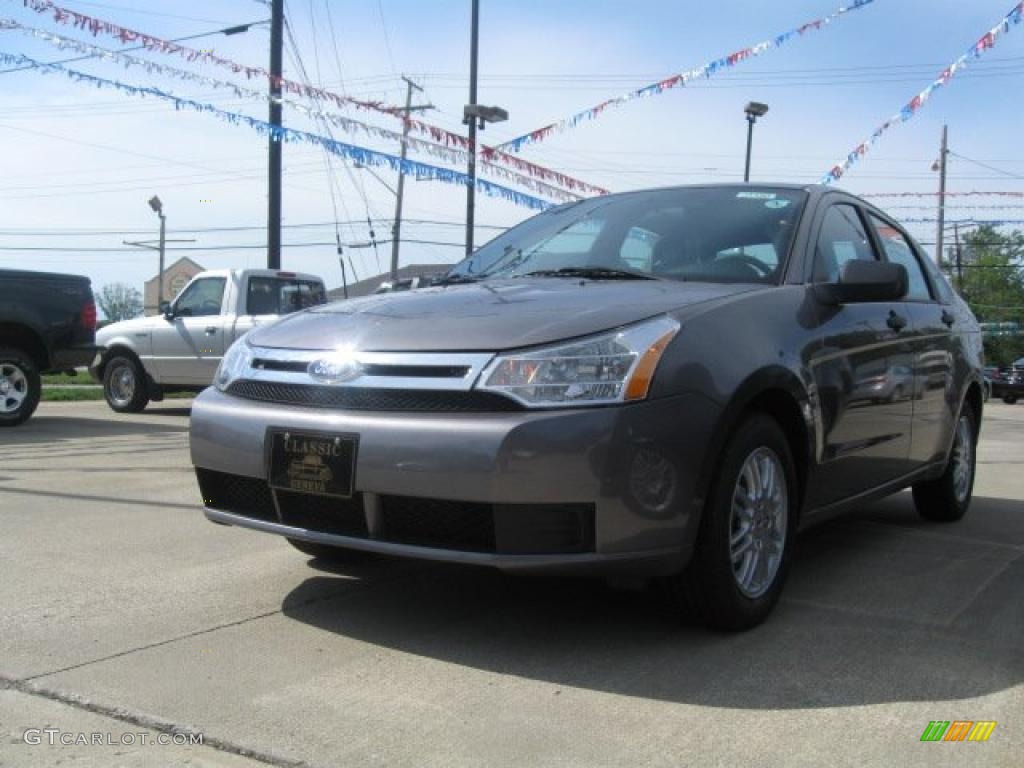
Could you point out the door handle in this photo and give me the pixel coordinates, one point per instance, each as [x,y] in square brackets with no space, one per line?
[896,322]
[948,318]
[211,330]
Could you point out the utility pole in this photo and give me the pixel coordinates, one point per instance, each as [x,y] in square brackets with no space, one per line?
[471,188]
[274,146]
[396,230]
[943,152]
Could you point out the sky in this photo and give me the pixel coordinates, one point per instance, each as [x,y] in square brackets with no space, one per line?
[79,163]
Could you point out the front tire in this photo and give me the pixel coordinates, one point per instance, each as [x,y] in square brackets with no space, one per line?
[20,387]
[124,385]
[947,498]
[1009,399]
[745,543]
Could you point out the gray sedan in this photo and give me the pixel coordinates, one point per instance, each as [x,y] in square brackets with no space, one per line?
[665,384]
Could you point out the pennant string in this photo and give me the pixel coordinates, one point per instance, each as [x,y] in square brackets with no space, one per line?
[912,107]
[706,71]
[352,152]
[124,35]
[447,154]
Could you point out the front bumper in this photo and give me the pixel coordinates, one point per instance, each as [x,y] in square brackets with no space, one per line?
[636,467]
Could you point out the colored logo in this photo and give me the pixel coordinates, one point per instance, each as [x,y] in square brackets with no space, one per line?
[331,371]
[958,730]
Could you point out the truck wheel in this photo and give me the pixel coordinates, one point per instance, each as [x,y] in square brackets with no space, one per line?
[1009,399]
[124,385]
[947,498]
[20,387]
[747,530]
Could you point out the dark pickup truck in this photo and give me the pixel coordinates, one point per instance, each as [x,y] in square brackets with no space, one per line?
[47,323]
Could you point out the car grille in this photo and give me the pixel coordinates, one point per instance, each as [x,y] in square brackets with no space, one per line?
[372,399]
[455,525]
[433,523]
[248,496]
[327,514]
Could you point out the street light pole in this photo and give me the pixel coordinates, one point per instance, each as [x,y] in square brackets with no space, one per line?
[471,169]
[163,246]
[753,110]
[943,152]
[274,141]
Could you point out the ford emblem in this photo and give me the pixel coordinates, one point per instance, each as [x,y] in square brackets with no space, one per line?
[331,371]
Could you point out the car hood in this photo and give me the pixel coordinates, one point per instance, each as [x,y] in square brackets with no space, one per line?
[488,316]
[125,327]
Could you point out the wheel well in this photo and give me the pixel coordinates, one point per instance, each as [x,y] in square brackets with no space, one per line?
[783,407]
[26,339]
[116,351]
[975,399]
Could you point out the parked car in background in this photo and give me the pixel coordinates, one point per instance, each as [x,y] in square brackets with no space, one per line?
[1008,384]
[664,384]
[47,323]
[181,348]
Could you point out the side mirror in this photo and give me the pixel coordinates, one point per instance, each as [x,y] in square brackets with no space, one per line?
[862,281]
[166,310]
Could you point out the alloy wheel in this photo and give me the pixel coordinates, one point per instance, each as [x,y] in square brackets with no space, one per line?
[963,464]
[122,385]
[13,387]
[757,523]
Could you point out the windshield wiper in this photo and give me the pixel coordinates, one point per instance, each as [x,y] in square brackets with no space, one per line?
[456,279]
[594,273]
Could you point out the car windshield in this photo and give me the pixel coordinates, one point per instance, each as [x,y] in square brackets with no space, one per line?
[711,234]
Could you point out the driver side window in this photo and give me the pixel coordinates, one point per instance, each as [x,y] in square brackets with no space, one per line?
[201,299]
[842,238]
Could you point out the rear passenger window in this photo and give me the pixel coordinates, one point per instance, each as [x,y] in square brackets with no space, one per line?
[842,239]
[898,251]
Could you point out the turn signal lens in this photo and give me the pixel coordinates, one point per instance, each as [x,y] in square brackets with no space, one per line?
[643,374]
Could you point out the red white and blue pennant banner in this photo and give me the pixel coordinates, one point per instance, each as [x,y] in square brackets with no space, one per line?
[350,126]
[675,81]
[912,107]
[152,43]
[349,151]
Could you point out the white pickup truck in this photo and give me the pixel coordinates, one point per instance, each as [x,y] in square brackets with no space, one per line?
[181,348]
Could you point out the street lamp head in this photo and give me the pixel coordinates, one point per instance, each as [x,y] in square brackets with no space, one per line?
[156,205]
[484,114]
[755,109]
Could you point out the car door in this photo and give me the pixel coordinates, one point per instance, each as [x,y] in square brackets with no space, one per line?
[933,320]
[861,370]
[188,347]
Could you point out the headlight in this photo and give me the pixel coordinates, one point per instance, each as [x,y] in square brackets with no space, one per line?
[611,368]
[234,363]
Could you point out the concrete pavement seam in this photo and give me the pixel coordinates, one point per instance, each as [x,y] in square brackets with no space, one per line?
[402,573]
[146,721]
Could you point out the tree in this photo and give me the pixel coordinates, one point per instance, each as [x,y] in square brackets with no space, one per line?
[991,279]
[119,301]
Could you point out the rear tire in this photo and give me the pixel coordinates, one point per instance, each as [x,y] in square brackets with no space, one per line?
[947,498]
[20,387]
[124,385]
[745,543]
[1009,399]
[328,553]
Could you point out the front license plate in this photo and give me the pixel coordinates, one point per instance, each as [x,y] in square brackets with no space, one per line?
[313,462]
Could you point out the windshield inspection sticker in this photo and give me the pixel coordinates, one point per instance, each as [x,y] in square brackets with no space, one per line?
[776,203]
[755,195]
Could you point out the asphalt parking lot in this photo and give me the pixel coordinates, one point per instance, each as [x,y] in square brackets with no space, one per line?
[126,612]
